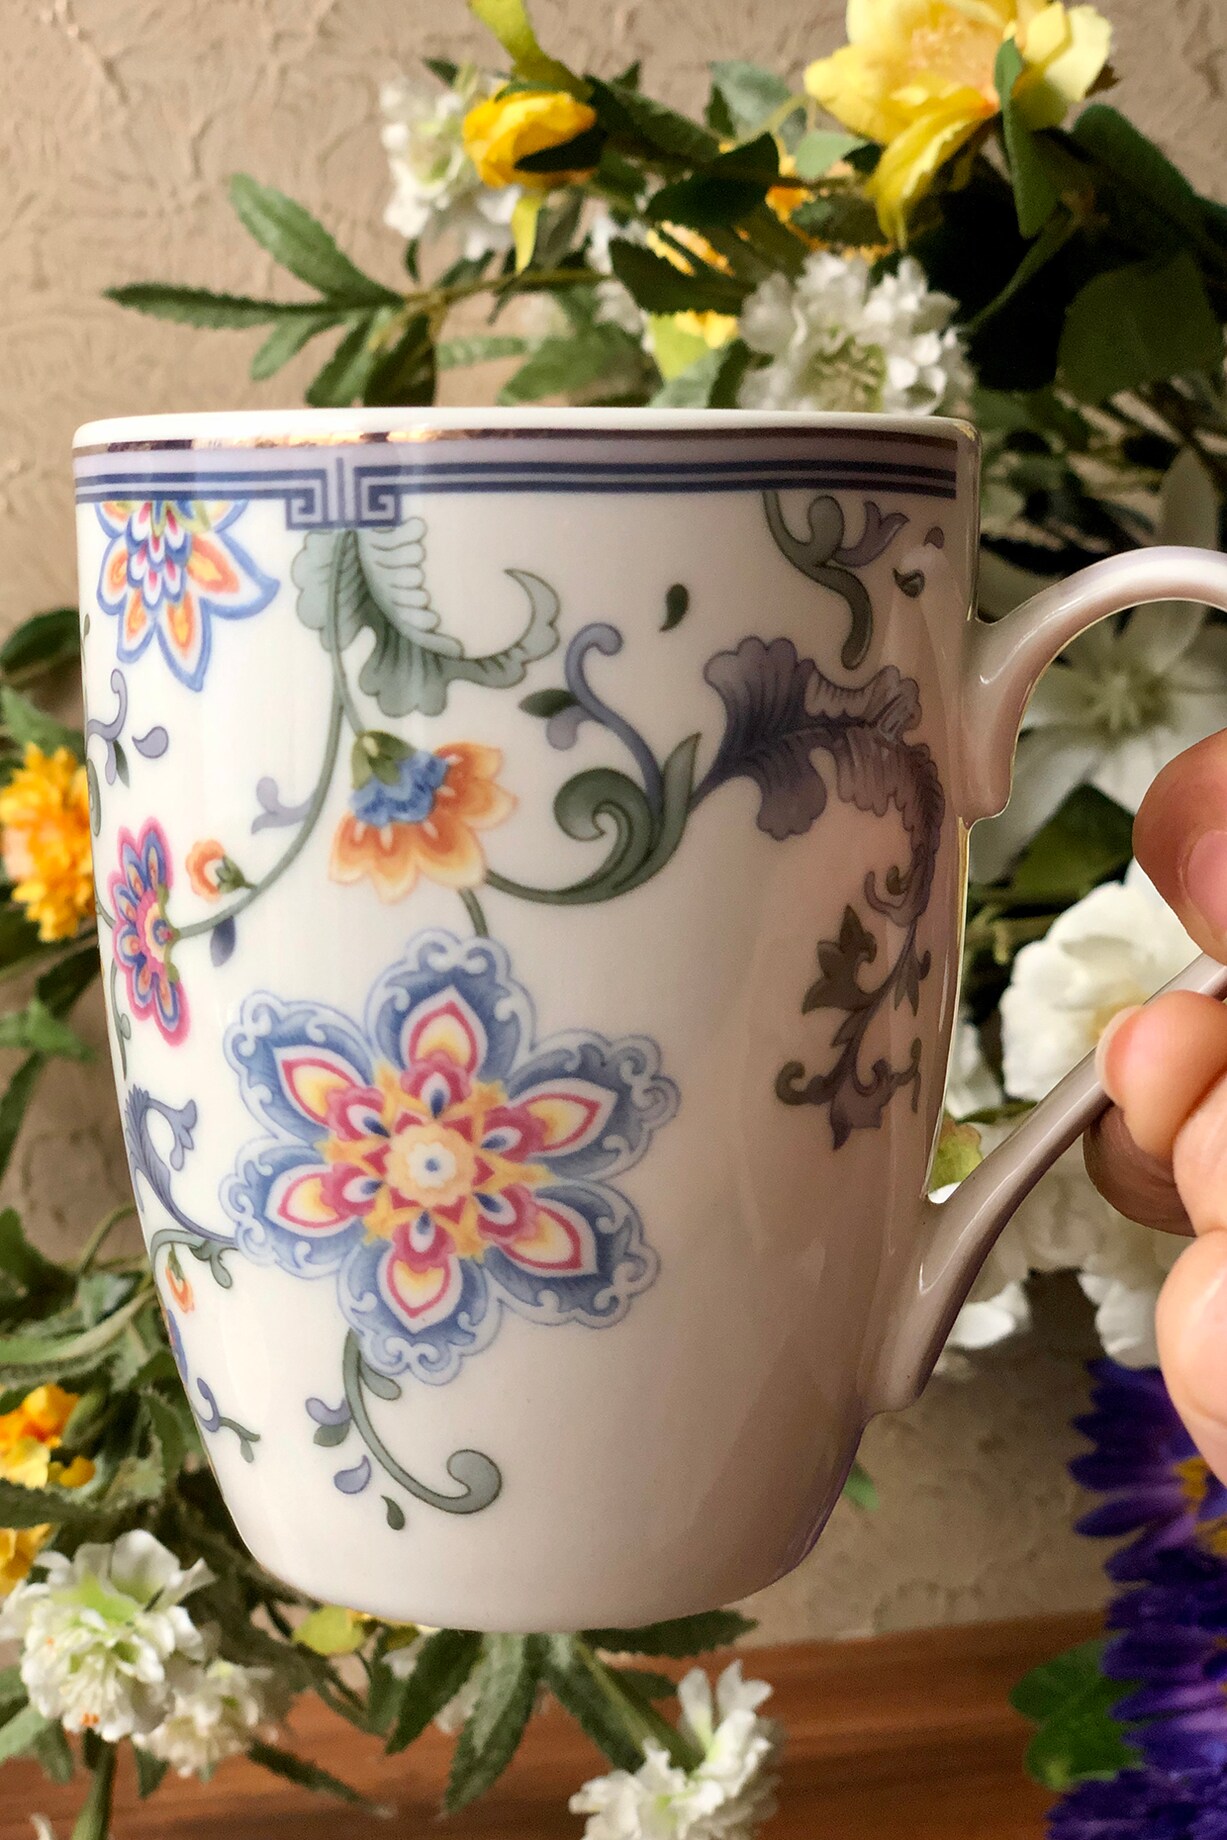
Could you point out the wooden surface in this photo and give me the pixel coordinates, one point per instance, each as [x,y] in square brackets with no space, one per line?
[905,1737]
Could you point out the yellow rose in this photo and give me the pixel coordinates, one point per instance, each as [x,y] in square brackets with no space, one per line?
[505,129]
[28,1436]
[917,76]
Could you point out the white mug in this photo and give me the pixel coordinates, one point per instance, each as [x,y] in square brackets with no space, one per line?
[530,854]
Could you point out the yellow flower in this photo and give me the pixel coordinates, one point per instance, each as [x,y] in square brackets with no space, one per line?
[507,128]
[44,812]
[917,75]
[713,329]
[28,1436]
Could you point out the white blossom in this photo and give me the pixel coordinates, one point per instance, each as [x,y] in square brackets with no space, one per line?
[104,1633]
[1122,700]
[839,340]
[1116,947]
[436,188]
[214,1713]
[728,1795]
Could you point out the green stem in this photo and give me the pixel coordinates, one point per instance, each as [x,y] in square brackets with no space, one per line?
[100,1235]
[290,855]
[332,636]
[473,908]
[94,1820]
[642,1724]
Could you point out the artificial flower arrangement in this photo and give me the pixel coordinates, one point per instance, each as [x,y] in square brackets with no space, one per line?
[943,218]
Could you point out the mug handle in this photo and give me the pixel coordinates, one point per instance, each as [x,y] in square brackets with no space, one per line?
[1002,662]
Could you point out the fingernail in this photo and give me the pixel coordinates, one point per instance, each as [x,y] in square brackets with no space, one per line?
[1205,878]
[1111,1030]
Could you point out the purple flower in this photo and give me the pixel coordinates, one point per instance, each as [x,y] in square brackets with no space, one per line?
[1157,1484]
[1149,1804]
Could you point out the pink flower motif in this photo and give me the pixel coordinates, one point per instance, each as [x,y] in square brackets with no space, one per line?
[143,935]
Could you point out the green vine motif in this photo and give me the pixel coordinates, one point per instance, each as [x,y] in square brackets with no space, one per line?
[479,1478]
[824,557]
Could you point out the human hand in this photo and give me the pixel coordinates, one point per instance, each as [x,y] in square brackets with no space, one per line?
[1160,1155]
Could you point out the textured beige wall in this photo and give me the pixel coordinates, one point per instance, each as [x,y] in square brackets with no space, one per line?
[119,122]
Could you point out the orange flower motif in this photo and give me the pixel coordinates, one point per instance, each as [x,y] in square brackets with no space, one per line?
[203,864]
[423,823]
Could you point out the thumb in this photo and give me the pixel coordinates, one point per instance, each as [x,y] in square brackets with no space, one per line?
[1192,1334]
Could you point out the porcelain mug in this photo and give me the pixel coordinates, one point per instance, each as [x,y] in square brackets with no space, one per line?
[530,855]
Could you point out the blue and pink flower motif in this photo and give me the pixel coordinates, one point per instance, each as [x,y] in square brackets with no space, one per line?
[439,1162]
[143,935]
[169,569]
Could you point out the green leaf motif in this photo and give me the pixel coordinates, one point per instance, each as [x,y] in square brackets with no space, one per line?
[1072,1703]
[300,243]
[374,579]
[1162,325]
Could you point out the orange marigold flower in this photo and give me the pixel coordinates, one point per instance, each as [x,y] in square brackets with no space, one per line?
[28,1436]
[203,863]
[44,812]
[423,823]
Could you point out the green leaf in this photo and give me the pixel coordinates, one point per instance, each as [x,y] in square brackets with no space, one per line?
[628,113]
[845,219]
[1162,325]
[12,1687]
[348,371]
[580,1693]
[24,1262]
[54,1754]
[572,362]
[405,372]
[860,1488]
[300,243]
[1072,1702]
[36,1030]
[958,1153]
[18,1734]
[444,69]
[479,348]
[1088,839]
[42,643]
[1135,161]
[726,190]
[150,1771]
[682,1636]
[69,978]
[20,945]
[713,382]
[547,703]
[580,154]
[14,1103]
[199,307]
[818,151]
[750,93]
[658,287]
[171,1428]
[445,1662]
[287,339]
[510,24]
[1056,233]
[1035,195]
[51,1356]
[333,1630]
[310,1776]
[511,1668]
[30,726]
